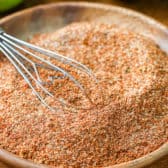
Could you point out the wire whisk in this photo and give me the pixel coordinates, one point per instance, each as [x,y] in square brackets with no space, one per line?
[21,54]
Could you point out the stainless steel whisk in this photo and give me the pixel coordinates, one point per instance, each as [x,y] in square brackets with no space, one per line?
[17,50]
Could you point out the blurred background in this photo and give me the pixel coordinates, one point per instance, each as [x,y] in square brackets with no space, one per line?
[157,9]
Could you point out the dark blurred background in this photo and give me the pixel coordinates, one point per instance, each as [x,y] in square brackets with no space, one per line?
[157,9]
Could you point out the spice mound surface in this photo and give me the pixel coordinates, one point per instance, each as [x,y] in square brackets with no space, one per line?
[133,75]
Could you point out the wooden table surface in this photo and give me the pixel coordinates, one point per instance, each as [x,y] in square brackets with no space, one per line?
[157,9]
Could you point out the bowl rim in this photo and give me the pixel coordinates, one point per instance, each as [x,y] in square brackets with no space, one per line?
[14,160]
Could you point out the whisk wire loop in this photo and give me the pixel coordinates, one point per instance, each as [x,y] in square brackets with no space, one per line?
[19,53]
[51,54]
[54,67]
[10,57]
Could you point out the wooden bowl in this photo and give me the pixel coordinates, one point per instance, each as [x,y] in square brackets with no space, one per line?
[53,16]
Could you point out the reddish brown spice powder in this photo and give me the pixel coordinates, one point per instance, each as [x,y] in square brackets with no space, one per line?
[131,120]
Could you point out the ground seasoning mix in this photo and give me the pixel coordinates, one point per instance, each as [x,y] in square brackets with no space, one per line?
[130,121]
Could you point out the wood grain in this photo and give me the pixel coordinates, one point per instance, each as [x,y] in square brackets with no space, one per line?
[2,165]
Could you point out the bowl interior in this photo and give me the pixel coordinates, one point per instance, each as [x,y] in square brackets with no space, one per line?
[51,17]
[54,16]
